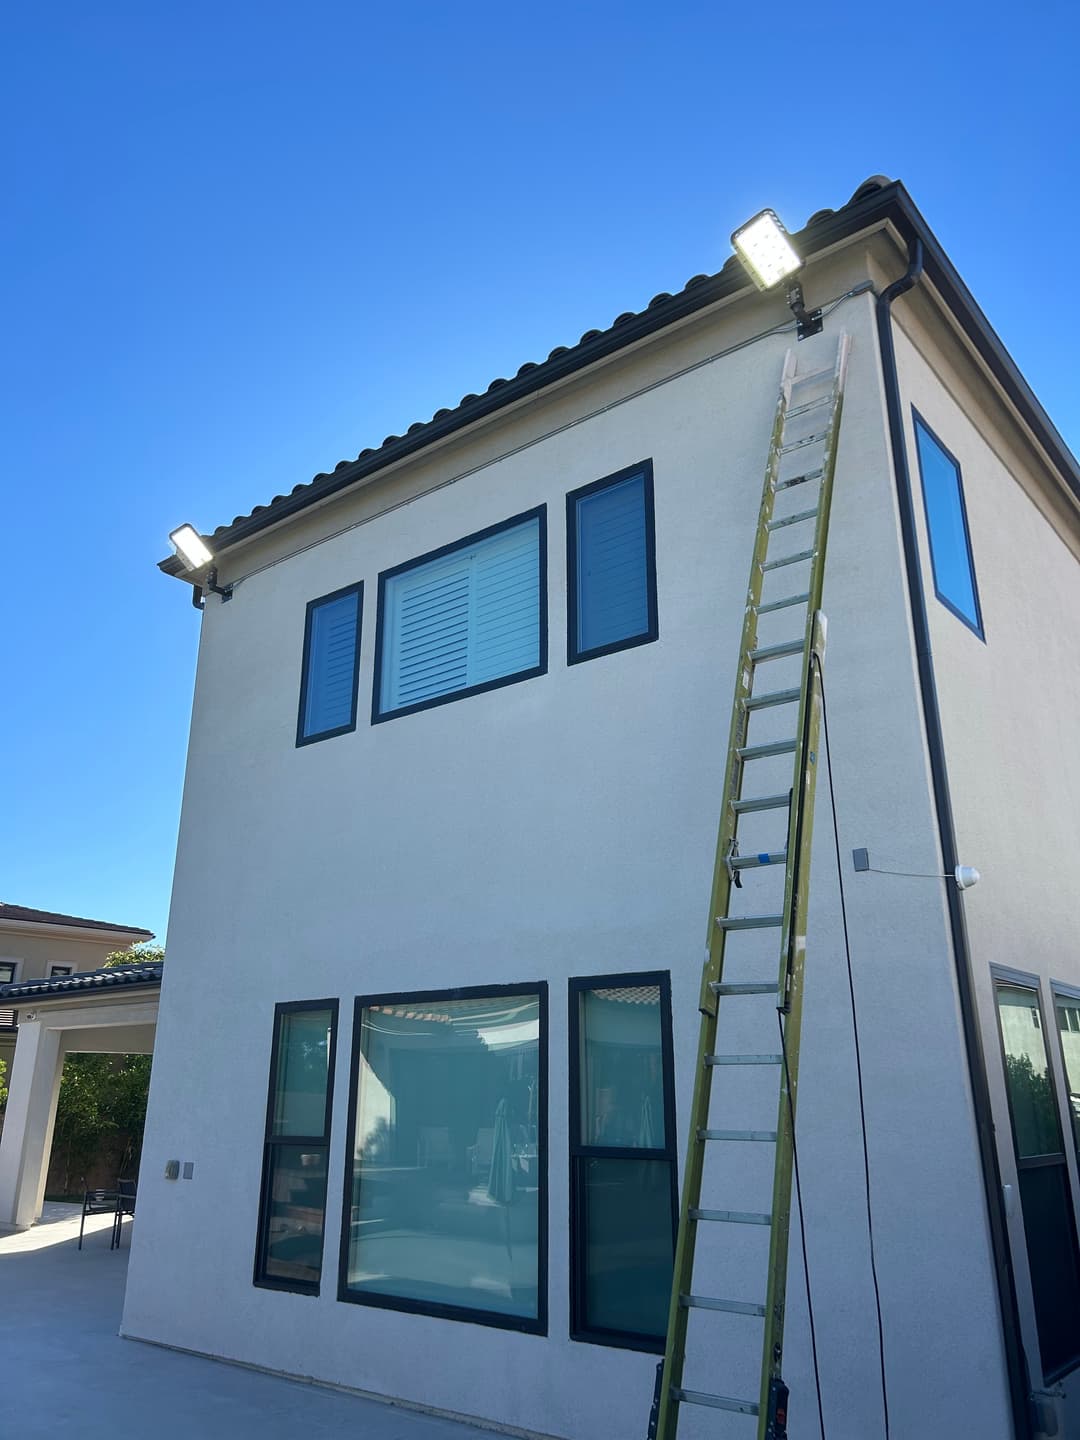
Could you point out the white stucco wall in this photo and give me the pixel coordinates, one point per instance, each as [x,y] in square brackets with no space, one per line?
[1009,713]
[565,826]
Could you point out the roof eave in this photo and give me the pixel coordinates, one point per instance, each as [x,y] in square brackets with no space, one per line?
[886,203]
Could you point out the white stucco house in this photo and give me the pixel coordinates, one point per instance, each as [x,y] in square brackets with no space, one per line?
[451,802]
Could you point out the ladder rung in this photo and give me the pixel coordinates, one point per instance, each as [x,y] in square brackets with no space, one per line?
[743,1059]
[743,987]
[813,375]
[760,752]
[760,802]
[789,559]
[807,407]
[717,1402]
[749,922]
[777,652]
[731,1217]
[772,697]
[794,480]
[755,862]
[802,444]
[768,1135]
[796,519]
[788,600]
[706,1302]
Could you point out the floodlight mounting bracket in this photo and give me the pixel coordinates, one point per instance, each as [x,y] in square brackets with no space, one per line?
[808,322]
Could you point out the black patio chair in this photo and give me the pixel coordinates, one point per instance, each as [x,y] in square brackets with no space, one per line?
[125,1205]
[97,1202]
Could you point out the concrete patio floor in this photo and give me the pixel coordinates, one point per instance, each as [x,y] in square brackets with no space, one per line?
[67,1372]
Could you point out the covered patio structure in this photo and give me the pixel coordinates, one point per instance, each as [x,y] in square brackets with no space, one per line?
[109,1011]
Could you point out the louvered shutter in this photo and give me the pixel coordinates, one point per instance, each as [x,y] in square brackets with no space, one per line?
[462,620]
[612,565]
[428,618]
[506,593]
[331,665]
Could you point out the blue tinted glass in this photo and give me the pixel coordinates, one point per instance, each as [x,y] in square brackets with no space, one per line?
[612,565]
[331,665]
[950,551]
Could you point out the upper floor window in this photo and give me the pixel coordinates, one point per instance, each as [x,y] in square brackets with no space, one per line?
[7,971]
[328,678]
[463,619]
[611,564]
[58,971]
[947,527]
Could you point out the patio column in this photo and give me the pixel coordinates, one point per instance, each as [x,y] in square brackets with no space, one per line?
[28,1123]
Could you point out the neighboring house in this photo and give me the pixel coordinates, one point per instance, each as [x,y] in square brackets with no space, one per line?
[452,792]
[42,945]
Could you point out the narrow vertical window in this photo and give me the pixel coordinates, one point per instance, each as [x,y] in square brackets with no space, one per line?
[1067,1005]
[331,664]
[947,527]
[1043,1173]
[611,564]
[293,1205]
[623,1181]
[445,1178]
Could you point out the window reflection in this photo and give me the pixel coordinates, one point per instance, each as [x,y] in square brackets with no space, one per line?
[447,1165]
[623,1091]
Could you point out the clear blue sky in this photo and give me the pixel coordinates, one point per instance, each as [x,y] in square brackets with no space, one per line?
[241,241]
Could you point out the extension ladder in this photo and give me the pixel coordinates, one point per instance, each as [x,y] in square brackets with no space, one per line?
[796,496]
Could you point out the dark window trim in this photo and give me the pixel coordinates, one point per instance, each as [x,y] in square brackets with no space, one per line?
[272,1141]
[538,513]
[976,625]
[13,966]
[1018,980]
[537,1326]
[1058,988]
[60,972]
[356,589]
[574,656]
[579,1330]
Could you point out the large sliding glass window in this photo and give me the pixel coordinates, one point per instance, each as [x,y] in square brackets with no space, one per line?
[293,1204]
[1045,1198]
[446,1175]
[622,1159]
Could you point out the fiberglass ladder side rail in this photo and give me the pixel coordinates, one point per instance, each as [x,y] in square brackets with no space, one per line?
[814,467]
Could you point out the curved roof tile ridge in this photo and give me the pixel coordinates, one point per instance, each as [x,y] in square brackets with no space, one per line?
[421,431]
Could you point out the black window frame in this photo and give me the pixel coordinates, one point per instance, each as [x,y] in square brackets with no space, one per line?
[60,972]
[580,1330]
[574,655]
[13,966]
[976,625]
[492,1318]
[1002,976]
[271,1142]
[539,513]
[357,589]
[1069,993]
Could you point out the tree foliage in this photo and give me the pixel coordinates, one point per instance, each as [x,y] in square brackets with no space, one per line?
[3,1084]
[102,1098]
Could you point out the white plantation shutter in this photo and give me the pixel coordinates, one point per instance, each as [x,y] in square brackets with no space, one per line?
[331,665]
[612,565]
[463,619]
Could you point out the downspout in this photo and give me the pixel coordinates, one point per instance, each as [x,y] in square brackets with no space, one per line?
[1019,1382]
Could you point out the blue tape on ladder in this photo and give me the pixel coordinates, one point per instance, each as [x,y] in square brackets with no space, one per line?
[763,856]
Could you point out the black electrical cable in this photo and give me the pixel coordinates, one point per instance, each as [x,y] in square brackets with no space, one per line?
[858,1050]
[802,1222]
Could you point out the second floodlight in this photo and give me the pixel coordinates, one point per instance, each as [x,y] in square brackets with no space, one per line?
[191,547]
[763,246]
[769,258]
